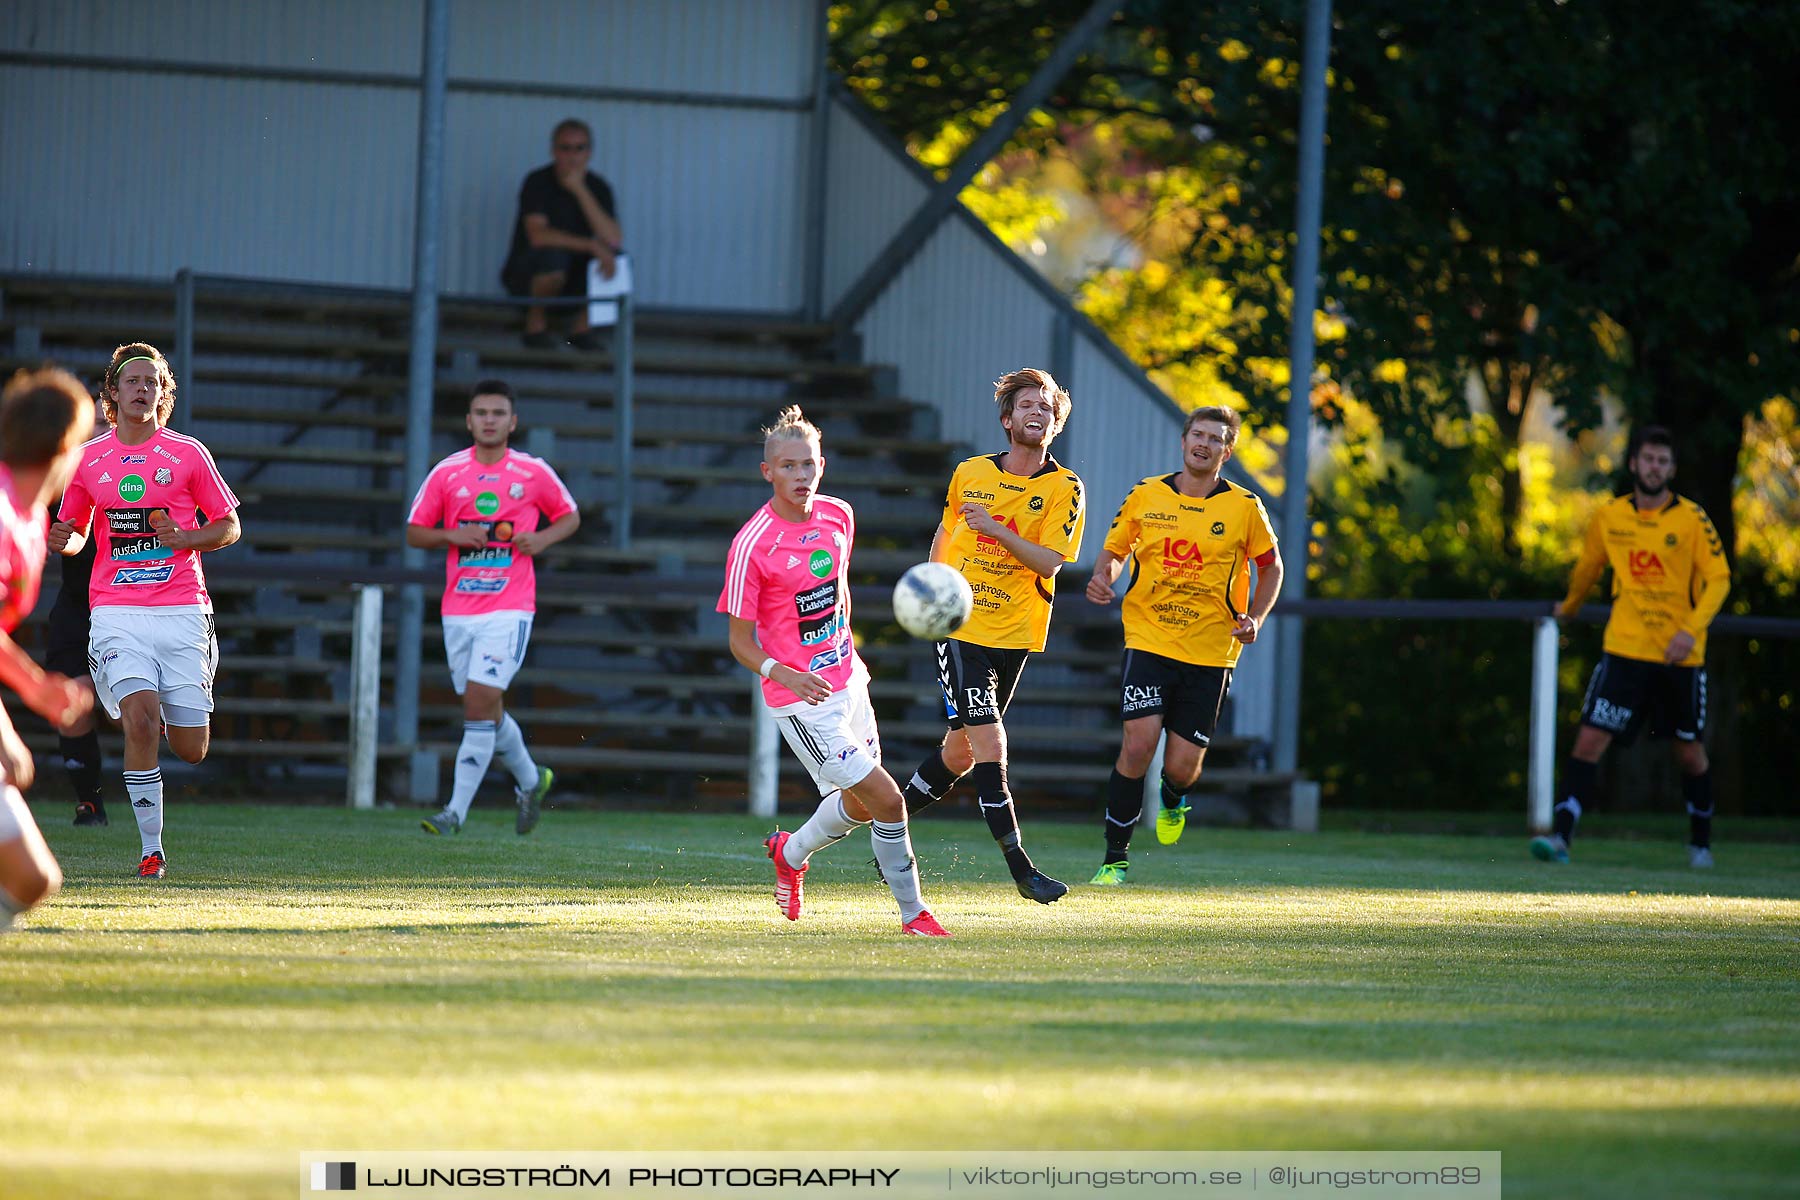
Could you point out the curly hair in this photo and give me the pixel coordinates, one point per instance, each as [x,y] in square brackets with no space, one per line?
[109,383]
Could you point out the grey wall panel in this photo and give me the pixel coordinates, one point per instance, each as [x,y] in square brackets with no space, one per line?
[710,198]
[1134,437]
[955,319]
[870,192]
[1125,436]
[336,35]
[718,47]
[151,173]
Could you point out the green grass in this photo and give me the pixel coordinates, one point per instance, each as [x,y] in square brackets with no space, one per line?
[309,978]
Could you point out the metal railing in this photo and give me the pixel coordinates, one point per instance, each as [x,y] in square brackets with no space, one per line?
[187,294]
[1546,651]
[187,287]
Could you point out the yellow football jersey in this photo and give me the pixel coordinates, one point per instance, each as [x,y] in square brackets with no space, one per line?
[1189,568]
[1012,602]
[1669,574]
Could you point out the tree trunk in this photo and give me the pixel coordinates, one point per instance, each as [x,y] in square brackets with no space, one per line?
[1502,381]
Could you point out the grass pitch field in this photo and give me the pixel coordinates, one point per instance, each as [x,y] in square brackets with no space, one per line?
[310,978]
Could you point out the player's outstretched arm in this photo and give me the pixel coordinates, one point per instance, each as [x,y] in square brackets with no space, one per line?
[1106,569]
[214,535]
[1041,559]
[65,539]
[1262,600]
[56,698]
[539,540]
[807,685]
[1587,570]
[431,537]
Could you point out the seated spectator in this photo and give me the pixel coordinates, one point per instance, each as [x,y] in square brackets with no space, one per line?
[566,218]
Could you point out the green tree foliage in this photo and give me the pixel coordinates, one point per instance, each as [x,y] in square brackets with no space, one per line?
[1530,207]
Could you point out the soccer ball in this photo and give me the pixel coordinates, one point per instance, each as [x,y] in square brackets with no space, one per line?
[932,601]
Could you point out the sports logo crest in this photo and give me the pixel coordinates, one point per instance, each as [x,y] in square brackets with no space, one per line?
[164,477]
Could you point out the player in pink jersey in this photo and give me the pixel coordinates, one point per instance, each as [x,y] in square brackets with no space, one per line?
[787,592]
[45,416]
[139,492]
[488,499]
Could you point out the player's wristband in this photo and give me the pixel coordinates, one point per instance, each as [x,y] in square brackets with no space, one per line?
[768,664]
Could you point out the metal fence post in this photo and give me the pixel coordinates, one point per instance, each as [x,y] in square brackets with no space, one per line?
[421,378]
[1542,779]
[764,771]
[184,338]
[622,420]
[365,695]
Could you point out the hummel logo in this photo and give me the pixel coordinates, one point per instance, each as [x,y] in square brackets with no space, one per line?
[146,802]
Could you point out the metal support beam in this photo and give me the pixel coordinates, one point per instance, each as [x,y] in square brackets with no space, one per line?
[818,157]
[422,370]
[184,340]
[1296,527]
[1541,780]
[624,419]
[365,696]
[765,742]
[943,198]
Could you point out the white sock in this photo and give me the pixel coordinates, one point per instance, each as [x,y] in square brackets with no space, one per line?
[509,744]
[9,908]
[829,823]
[472,758]
[144,790]
[894,855]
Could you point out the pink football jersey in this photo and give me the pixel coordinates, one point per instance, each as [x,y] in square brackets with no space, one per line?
[21,555]
[506,498]
[113,495]
[793,581]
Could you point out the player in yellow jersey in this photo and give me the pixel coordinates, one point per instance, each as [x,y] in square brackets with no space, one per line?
[1670,578]
[1190,538]
[1011,520]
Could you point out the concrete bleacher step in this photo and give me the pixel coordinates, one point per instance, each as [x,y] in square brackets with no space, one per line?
[283,341]
[394,424]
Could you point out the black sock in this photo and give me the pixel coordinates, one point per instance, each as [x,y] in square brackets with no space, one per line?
[1698,791]
[1170,797]
[1578,785]
[929,784]
[996,803]
[81,758]
[1124,804]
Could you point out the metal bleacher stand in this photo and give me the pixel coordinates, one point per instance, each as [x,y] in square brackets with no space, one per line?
[366,665]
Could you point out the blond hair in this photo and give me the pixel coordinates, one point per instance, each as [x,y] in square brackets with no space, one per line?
[790,425]
[1009,385]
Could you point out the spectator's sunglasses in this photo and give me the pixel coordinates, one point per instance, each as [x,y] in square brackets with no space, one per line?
[572,147]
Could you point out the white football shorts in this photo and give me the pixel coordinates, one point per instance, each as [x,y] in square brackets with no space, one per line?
[835,741]
[488,648]
[171,651]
